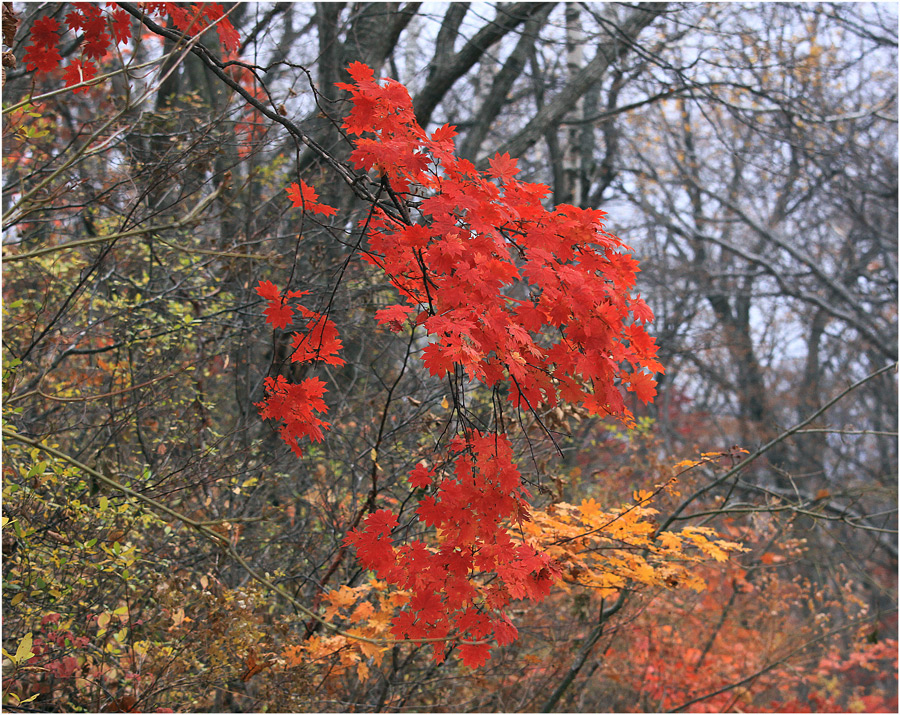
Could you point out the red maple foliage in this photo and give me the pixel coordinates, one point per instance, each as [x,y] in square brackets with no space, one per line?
[297,406]
[101,28]
[515,295]
[510,291]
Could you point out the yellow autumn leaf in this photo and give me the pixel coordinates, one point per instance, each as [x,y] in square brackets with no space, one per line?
[670,541]
[362,671]
[641,571]
[590,510]
[23,651]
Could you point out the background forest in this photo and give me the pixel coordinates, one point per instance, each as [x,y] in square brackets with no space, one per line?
[732,546]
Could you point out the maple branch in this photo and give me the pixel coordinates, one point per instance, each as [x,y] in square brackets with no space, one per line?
[399,203]
[631,508]
[445,68]
[89,398]
[189,218]
[641,15]
[860,314]
[373,493]
[426,281]
[199,526]
[87,83]
[22,207]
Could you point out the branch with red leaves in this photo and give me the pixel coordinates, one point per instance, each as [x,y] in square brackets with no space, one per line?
[456,262]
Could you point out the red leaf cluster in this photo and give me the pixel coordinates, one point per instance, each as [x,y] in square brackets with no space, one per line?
[43,52]
[298,406]
[196,17]
[102,27]
[461,585]
[510,291]
[535,300]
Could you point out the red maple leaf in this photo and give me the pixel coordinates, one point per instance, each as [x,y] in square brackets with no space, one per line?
[79,71]
[430,512]
[503,167]
[42,58]
[381,522]
[475,656]
[643,385]
[279,314]
[444,133]
[641,311]
[436,359]
[421,476]
[228,36]
[303,196]
[393,316]
[319,342]
[505,632]
[121,25]
[360,72]
[268,290]
[44,31]
[95,46]
[297,407]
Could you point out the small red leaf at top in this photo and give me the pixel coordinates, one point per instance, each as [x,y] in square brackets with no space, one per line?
[121,25]
[268,290]
[641,311]
[228,36]
[443,133]
[360,72]
[420,476]
[44,31]
[304,196]
[503,167]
